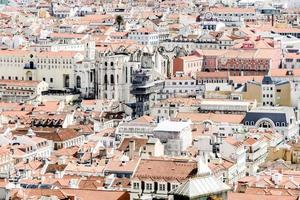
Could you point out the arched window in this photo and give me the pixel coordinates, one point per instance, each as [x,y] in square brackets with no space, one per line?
[28,76]
[126,78]
[111,64]
[117,79]
[265,124]
[78,82]
[66,81]
[112,81]
[31,65]
[105,79]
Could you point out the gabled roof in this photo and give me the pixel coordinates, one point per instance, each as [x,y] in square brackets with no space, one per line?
[139,142]
[143,119]
[165,169]
[201,186]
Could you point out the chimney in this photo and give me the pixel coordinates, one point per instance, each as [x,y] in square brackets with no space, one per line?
[131,149]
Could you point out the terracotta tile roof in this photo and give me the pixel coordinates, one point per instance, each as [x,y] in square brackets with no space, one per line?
[71,151]
[286,30]
[121,183]
[200,117]
[52,168]
[233,10]
[97,194]
[145,30]
[92,184]
[19,83]
[143,119]
[38,193]
[167,169]
[108,132]
[58,54]
[190,58]
[250,141]
[49,106]
[32,165]
[138,141]
[292,56]
[73,168]
[15,52]
[244,79]
[117,165]
[217,167]
[284,72]
[212,75]
[272,191]
[239,196]
[53,134]
[4,150]
[233,142]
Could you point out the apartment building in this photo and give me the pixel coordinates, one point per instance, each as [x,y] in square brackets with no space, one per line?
[257,149]
[144,36]
[6,161]
[241,61]
[268,92]
[156,178]
[280,119]
[20,91]
[179,86]
[234,14]
[291,61]
[142,126]
[168,108]
[61,137]
[176,136]
[30,147]
[188,65]
[55,68]
[233,149]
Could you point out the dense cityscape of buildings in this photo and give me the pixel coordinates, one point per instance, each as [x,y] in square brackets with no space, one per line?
[149,99]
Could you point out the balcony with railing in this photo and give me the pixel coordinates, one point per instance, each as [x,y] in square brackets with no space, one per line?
[29,65]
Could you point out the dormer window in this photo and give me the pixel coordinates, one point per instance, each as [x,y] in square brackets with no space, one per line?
[162,187]
[174,186]
[148,186]
[136,186]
